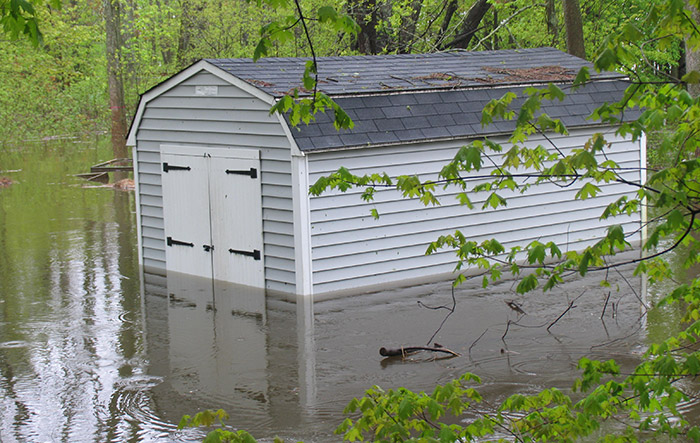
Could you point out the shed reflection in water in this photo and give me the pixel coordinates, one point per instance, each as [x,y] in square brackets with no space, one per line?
[219,345]
[288,369]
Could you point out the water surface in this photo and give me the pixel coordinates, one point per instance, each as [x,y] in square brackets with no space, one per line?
[91,350]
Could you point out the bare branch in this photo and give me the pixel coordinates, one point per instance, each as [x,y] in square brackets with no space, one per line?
[570,307]
[452,310]
[504,22]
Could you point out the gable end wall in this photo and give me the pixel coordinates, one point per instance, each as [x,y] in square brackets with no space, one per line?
[232,118]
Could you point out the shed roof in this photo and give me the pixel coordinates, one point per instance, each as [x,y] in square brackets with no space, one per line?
[371,74]
[411,98]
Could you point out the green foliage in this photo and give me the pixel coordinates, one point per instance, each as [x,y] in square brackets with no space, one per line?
[402,415]
[57,88]
[648,398]
[281,31]
[209,418]
[20,18]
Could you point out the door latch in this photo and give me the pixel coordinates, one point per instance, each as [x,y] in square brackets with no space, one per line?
[208,248]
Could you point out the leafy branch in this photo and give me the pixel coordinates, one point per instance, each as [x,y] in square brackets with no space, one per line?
[302,103]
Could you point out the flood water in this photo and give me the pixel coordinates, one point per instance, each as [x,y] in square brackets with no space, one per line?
[91,350]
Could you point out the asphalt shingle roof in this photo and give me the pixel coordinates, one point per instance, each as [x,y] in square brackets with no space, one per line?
[422,97]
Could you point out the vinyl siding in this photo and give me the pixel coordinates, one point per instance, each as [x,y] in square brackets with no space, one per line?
[234,119]
[352,249]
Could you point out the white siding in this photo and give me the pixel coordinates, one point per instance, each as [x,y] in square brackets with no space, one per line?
[352,249]
[235,119]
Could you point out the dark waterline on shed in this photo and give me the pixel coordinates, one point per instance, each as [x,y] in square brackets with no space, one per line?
[90,351]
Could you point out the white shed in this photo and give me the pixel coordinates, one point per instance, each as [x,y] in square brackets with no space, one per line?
[222,185]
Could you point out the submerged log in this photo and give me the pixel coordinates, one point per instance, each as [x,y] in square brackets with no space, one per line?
[406,350]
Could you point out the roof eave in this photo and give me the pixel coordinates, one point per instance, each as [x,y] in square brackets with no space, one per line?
[434,140]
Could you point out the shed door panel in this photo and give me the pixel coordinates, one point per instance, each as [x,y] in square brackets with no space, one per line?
[186,214]
[236,208]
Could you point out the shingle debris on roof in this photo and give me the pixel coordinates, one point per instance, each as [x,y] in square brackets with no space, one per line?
[422,97]
[365,74]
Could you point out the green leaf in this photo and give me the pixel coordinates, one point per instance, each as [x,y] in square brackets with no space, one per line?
[261,49]
[691,77]
[536,253]
[554,91]
[494,200]
[692,364]
[586,259]
[694,434]
[582,77]
[527,284]
[405,408]
[587,191]
[327,13]
[606,60]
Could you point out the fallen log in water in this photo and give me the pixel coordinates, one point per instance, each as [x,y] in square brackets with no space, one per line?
[405,350]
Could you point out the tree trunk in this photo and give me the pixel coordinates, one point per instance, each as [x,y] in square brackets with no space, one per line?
[471,24]
[574,28]
[366,13]
[450,10]
[115,82]
[552,20]
[407,31]
[191,26]
[692,54]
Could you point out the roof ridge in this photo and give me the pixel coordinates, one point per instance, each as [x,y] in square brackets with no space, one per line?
[372,74]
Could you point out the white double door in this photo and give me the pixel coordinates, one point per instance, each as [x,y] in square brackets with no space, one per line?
[212,211]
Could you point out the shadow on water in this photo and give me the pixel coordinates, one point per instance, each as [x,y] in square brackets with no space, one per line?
[90,350]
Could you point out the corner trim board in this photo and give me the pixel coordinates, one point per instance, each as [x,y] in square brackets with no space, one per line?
[137,195]
[302,223]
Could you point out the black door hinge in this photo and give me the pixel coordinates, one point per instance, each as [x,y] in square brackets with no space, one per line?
[252,172]
[254,253]
[170,241]
[167,167]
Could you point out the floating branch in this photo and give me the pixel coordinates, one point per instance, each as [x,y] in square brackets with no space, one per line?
[407,350]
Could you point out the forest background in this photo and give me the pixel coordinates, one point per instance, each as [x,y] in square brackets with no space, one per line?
[94,58]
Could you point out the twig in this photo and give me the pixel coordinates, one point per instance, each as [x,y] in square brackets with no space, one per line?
[452,310]
[504,22]
[474,342]
[605,306]
[396,77]
[646,308]
[570,307]
[313,54]
[503,338]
